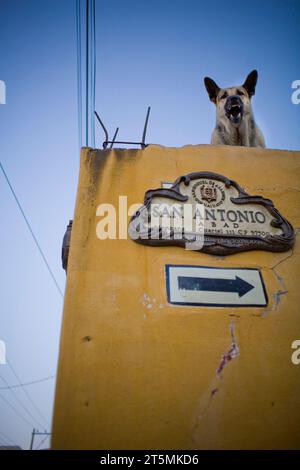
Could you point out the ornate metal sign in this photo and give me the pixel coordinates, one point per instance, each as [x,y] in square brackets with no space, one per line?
[230,219]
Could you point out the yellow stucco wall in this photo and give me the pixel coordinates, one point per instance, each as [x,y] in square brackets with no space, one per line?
[135,372]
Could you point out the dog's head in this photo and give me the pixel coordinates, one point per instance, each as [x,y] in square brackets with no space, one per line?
[232,102]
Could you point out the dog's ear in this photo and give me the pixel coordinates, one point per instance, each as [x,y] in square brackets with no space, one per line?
[212,89]
[250,83]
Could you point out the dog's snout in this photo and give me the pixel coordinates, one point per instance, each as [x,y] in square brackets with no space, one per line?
[233,100]
[234,109]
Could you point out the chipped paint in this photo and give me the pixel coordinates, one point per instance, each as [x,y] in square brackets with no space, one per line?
[147,301]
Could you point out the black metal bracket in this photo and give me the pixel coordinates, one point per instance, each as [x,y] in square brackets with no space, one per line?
[114,141]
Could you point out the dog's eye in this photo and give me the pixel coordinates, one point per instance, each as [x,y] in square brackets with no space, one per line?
[223,96]
[241,93]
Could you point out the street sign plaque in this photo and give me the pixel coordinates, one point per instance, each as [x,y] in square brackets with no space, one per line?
[215,287]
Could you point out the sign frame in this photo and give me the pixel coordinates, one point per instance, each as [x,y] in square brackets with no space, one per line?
[212,305]
[220,244]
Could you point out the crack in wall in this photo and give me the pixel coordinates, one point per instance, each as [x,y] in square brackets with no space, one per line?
[283,260]
[274,307]
[227,357]
[232,353]
[283,291]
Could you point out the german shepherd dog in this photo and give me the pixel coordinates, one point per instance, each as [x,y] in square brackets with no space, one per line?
[235,121]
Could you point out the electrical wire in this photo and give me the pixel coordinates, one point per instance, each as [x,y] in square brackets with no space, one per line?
[4,443]
[42,441]
[7,439]
[93,66]
[87,75]
[31,231]
[90,69]
[16,411]
[27,394]
[28,383]
[21,403]
[79,76]
[79,97]
[58,288]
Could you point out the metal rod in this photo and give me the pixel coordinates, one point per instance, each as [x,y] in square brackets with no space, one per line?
[145,128]
[121,142]
[103,127]
[114,138]
[112,142]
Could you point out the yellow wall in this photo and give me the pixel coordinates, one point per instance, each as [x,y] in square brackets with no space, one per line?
[135,372]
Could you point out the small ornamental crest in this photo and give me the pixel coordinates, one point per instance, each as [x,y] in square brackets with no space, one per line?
[208,192]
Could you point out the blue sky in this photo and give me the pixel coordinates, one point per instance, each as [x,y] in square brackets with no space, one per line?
[148,53]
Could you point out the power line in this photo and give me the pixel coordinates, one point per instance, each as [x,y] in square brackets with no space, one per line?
[90,70]
[87,75]
[21,403]
[28,383]
[42,441]
[7,439]
[15,411]
[93,69]
[79,77]
[27,394]
[31,231]
[37,433]
[4,443]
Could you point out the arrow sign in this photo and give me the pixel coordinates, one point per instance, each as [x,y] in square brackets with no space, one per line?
[238,285]
[211,286]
